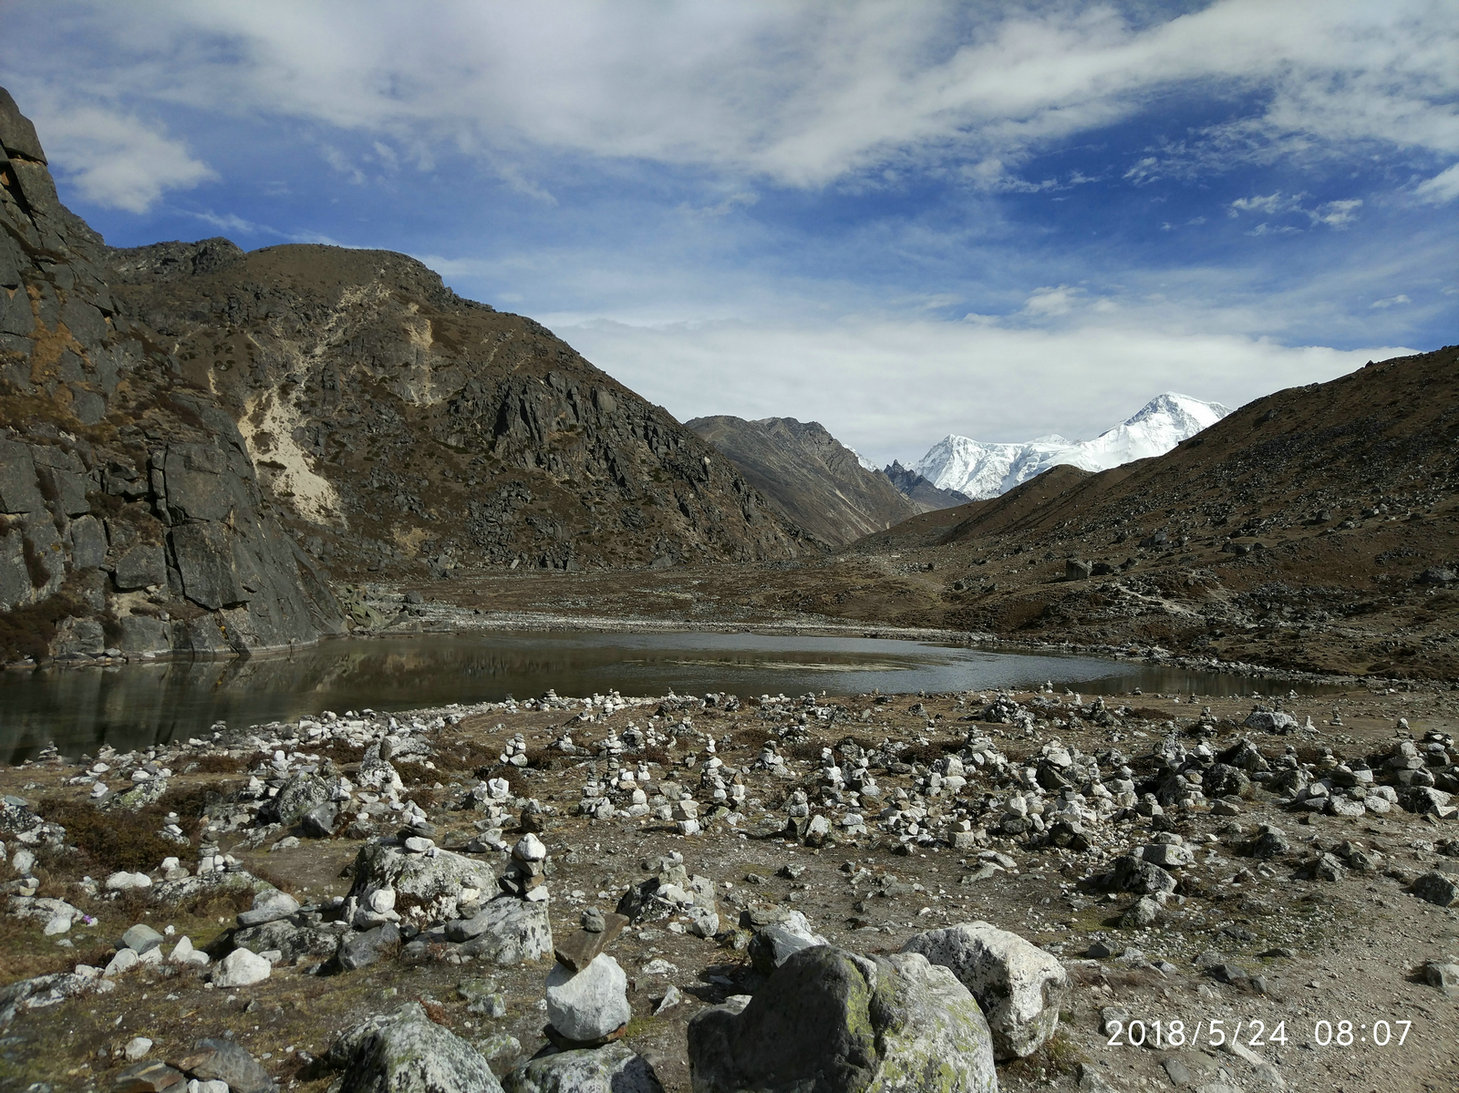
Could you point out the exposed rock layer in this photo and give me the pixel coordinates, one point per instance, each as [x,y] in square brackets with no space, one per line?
[811,476]
[130,513]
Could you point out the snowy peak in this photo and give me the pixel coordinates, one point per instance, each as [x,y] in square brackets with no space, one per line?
[986,470]
[1188,413]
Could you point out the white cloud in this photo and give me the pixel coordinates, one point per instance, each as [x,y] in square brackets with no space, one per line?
[232,224]
[892,387]
[1442,188]
[1267,205]
[116,159]
[1391,301]
[1337,214]
[1052,300]
[800,93]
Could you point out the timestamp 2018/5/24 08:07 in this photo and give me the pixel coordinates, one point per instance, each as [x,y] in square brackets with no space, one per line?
[1255,1033]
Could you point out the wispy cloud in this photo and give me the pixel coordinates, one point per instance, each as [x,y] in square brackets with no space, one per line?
[1441,189]
[1330,214]
[233,224]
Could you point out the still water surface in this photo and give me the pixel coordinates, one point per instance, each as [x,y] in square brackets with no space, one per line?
[134,705]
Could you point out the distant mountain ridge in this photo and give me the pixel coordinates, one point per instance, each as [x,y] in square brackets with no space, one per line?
[920,491]
[816,481]
[981,470]
[1316,528]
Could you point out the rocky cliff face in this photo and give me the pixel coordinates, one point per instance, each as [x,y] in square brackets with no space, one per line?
[920,491]
[404,428]
[813,478]
[130,511]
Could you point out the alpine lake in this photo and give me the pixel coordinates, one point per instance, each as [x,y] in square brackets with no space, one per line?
[137,704]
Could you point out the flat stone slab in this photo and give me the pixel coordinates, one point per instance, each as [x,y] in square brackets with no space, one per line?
[579,949]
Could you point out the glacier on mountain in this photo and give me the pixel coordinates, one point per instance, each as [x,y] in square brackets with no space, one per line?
[986,470]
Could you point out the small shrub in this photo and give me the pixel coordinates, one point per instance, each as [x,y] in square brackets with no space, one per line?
[112,840]
[28,631]
[191,802]
[219,763]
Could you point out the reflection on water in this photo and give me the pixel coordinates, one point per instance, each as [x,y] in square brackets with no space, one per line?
[135,705]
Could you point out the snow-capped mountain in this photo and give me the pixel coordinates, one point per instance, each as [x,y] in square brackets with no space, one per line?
[986,470]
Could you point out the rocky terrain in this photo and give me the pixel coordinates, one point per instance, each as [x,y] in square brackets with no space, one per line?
[716,893]
[965,891]
[406,430]
[814,479]
[188,434]
[130,514]
[918,490]
[1316,528]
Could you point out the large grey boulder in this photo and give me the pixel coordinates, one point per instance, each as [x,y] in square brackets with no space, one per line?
[226,1061]
[270,905]
[298,795]
[293,942]
[1019,985]
[427,887]
[614,1068]
[831,1021]
[1440,888]
[359,950]
[506,931]
[588,1005]
[1271,721]
[407,1052]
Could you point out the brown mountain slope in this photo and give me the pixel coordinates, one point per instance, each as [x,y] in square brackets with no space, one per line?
[814,479]
[398,422]
[1316,527]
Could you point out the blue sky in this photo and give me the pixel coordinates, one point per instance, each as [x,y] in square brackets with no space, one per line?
[901,220]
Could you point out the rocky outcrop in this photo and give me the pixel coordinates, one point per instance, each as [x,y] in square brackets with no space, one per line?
[813,478]
[404,428]
[425,886]
[922,493]
[1019,985]
[130,510]
[615,1068]
[405,1052]
[830,1020]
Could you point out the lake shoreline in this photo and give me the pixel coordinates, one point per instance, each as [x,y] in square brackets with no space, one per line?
[463,621]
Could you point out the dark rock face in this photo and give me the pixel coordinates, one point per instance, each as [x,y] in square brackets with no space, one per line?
[809,475]
[921,492]
[402,428]
[127,495]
